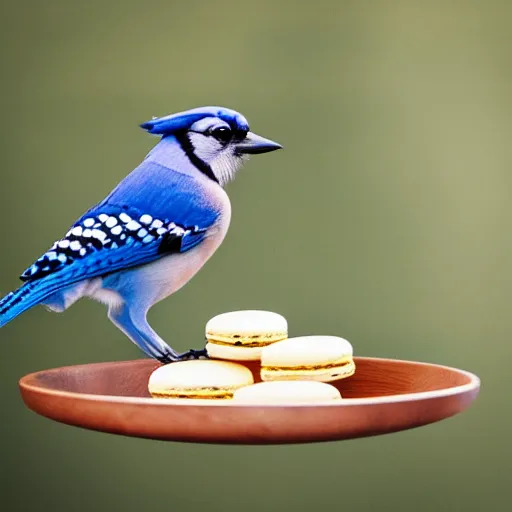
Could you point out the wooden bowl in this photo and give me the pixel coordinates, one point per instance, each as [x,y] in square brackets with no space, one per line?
[383,396]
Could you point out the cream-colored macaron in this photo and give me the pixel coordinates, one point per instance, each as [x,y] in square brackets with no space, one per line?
[200,379]
[241,335]
[287,392]
[320,358]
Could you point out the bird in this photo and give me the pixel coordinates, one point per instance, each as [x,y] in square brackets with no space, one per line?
[152,233]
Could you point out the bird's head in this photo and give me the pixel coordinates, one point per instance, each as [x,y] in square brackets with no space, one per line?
[217,140]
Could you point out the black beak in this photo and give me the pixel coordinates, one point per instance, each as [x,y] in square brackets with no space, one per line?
[254,144]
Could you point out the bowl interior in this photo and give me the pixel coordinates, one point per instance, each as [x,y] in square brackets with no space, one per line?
[373,377]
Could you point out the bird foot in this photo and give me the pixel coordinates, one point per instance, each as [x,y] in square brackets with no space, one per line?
[190,355]
[193,354]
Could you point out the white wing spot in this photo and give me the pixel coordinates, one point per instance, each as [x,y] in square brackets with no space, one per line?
[100,235]
[132,225]
[161,231]
[111,222]
[75,245]
[148,239]
[103,217]
[157,224]
[125,218]
[87,233]
[62,258]
[116,230]
[142,233]
[89,223]
[146,219]
[83,252]
[77,231]
[64,244]
[178,231]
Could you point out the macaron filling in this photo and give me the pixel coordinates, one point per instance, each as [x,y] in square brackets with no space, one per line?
[204,393]
[307,367]
[238,340]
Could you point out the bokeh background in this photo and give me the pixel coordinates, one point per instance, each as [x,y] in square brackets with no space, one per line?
[385,220]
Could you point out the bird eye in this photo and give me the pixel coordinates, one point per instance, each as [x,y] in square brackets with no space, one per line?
[222,134]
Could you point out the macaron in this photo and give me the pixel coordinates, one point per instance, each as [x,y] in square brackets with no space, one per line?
[287,392]
[199,379]
[320,358]
[242,335]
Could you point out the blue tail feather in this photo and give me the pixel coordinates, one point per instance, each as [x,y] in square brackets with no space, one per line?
[15,303]
[24,298]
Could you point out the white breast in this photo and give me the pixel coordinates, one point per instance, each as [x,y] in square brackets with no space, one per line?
[169,274]
[155,281]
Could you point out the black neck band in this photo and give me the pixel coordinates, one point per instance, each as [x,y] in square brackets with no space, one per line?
[187,147]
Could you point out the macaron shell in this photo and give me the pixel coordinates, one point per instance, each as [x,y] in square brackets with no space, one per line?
[233,353]
[247,322]
[286,392]
[307,351]
[199,379]
[317,374]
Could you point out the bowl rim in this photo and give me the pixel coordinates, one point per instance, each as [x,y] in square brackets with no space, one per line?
[27,383]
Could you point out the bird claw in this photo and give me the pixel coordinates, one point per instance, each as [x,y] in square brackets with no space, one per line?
[193,354]
[190,355]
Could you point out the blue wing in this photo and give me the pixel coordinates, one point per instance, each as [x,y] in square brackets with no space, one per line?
[153,212]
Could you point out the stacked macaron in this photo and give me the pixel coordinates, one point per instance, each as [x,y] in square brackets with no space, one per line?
[316,358]
[242,335]
[292,370]
[299,370]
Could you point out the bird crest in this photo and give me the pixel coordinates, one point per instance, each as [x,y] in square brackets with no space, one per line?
[173,123]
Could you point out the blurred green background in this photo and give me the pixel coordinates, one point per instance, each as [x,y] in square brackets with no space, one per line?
[385,220]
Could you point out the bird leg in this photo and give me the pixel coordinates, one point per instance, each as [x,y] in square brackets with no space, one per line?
[134,324]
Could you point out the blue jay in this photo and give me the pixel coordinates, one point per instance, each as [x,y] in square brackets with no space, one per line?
[152,233]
